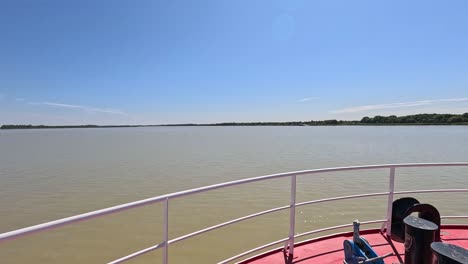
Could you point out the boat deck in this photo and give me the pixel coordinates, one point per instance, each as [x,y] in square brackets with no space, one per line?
[330,249]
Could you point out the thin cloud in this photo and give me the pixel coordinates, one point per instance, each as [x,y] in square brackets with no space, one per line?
[19,99]
[356,109]
[308,99]
[63,105]
[84,108]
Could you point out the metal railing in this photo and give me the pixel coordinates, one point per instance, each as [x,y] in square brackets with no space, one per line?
[292,206]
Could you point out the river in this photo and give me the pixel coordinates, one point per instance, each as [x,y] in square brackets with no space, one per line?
[48,174]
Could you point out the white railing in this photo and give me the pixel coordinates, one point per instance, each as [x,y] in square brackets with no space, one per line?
[292,206]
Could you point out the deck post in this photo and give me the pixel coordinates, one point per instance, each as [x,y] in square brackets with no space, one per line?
[166,230]
[292,217]
[391,190]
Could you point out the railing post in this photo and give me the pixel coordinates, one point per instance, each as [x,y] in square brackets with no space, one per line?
[292,217]
[391,189]
[166,230]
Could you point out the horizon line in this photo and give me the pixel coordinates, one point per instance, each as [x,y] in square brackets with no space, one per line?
[213,124]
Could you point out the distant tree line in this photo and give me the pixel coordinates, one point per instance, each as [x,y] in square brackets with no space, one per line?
[420,119]
[417,119]
[291,123]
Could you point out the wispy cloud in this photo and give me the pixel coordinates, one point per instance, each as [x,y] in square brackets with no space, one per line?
[19,99]
[363,108]
[308,99]
[84,108]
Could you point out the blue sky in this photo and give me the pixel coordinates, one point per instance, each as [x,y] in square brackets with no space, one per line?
[151,62]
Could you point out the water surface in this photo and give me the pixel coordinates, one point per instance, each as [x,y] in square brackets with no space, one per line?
[54,173]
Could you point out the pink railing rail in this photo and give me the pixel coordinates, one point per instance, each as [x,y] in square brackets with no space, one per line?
[292,206]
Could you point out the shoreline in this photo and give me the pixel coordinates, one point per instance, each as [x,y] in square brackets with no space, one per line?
[408,120]
[227,125]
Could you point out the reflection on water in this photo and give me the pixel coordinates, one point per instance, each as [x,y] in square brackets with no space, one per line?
[49,174]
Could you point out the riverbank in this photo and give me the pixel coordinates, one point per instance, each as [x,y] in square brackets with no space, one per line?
[409,120]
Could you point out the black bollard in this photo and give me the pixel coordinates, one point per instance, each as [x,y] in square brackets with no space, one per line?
[419,234]
[449,254]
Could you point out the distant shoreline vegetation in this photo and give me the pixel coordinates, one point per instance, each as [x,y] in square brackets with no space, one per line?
[420,119]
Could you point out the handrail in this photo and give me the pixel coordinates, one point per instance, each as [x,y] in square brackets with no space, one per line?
[156,199]
[201,231]
[290,239]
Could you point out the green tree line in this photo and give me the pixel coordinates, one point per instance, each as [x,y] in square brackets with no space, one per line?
[417,119]
[420,119]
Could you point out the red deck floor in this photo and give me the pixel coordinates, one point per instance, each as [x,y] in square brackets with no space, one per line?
[330,249]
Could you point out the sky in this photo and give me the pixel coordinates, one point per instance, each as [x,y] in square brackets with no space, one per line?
[170,61]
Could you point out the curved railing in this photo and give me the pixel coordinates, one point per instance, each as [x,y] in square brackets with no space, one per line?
[289,241]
